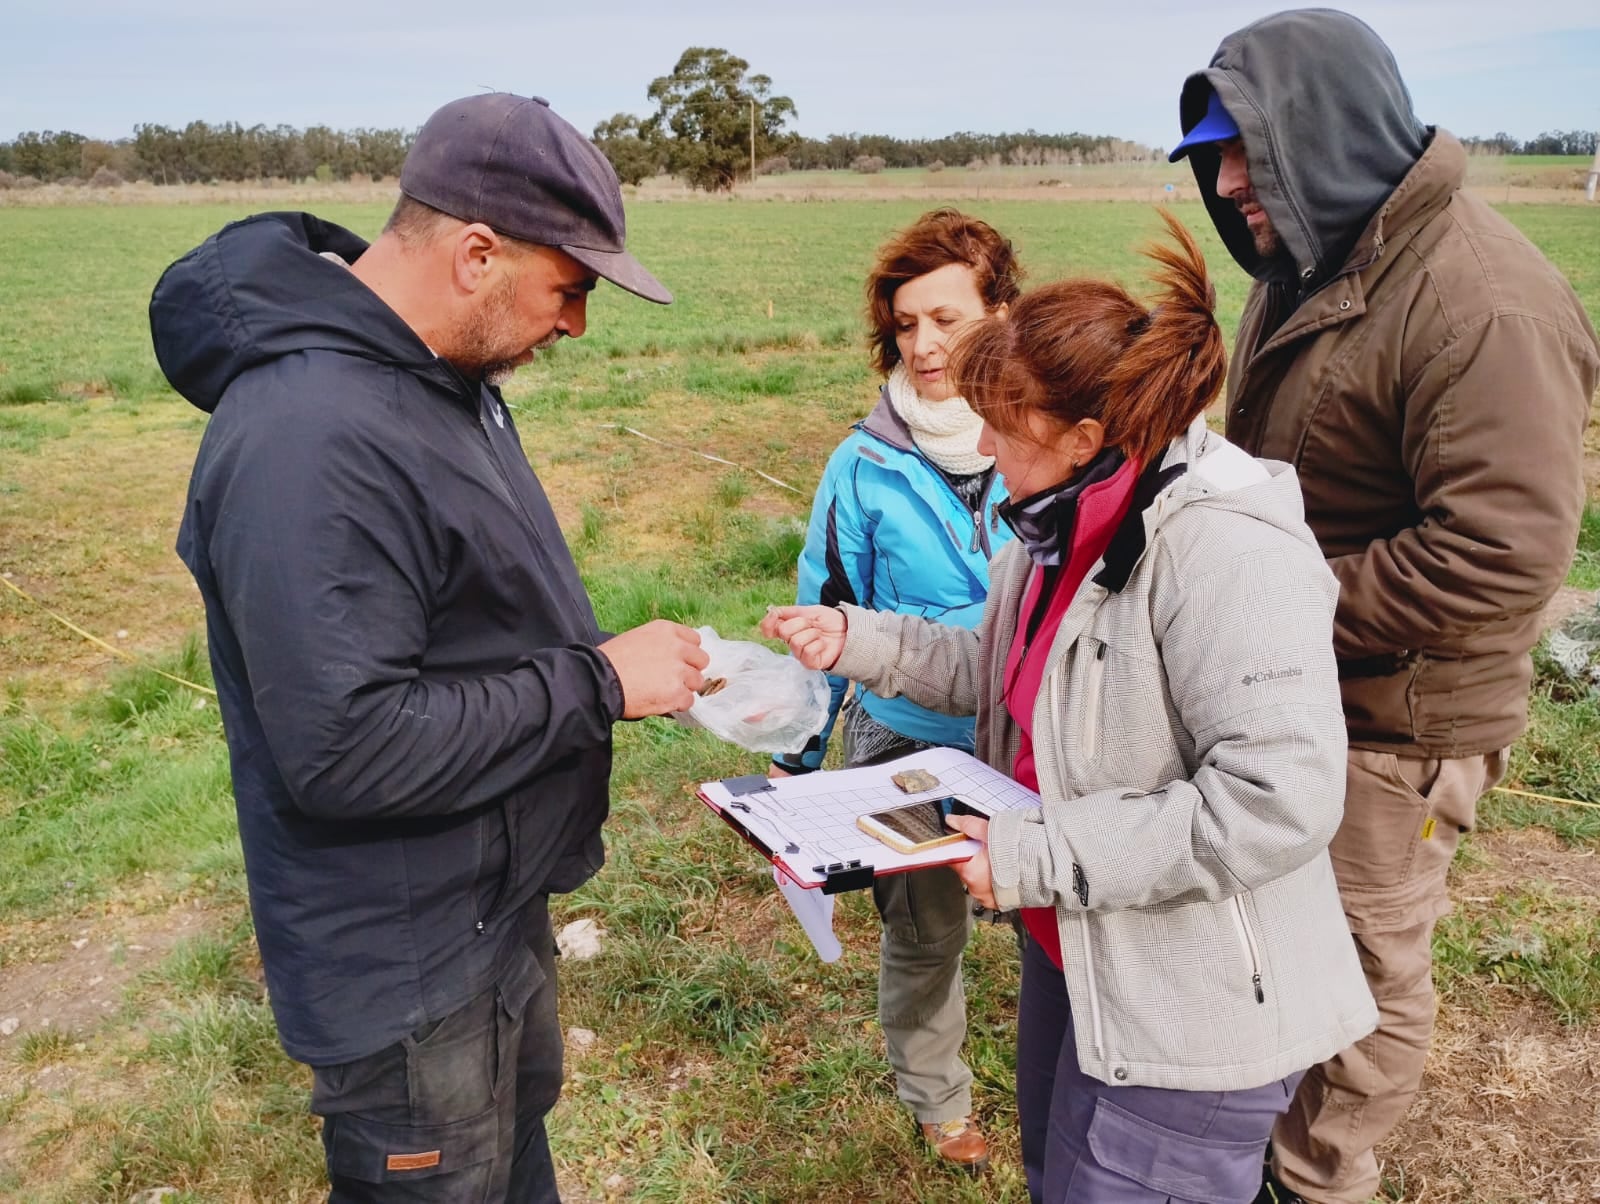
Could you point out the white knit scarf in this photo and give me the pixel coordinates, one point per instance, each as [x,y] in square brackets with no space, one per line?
[944,431]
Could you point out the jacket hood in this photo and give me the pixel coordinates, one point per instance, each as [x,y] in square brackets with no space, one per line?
[1328,132]
[1223,476]
[260,289]
[1200,468]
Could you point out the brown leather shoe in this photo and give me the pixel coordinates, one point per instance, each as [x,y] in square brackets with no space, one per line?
[960,1143]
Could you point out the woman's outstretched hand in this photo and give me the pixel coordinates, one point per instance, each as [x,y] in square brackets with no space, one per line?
[815,634]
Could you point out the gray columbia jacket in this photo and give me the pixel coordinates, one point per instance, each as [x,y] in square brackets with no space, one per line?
[1190,749]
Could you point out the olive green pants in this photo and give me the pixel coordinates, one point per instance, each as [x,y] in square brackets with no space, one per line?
[922,1004]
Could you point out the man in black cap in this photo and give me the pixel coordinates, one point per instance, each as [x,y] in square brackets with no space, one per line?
[417,699]
[1429,374]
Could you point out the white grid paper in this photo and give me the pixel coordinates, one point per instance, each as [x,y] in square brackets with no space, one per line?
[810,819]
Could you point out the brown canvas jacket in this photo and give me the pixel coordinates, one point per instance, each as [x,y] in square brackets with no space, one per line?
[1433,397]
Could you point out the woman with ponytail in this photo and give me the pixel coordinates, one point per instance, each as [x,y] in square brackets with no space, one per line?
[1156,661]
[905,519]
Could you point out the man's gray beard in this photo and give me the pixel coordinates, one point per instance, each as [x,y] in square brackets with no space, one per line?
[496,375]
[499,372]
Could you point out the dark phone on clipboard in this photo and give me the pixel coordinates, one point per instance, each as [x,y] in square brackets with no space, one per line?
[915,827]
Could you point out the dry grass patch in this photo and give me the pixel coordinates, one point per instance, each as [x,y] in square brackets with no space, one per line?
[1509,1110]
[88,524]
[1510,1106]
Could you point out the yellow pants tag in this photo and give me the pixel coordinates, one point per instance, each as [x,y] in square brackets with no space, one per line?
[1427,828]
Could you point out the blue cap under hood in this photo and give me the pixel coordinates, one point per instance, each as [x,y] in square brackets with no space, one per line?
[1328,132]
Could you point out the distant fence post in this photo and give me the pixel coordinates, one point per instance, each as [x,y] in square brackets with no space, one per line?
[1594,172]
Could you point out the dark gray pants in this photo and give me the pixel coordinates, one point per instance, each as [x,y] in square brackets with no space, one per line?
[1084,1142]
[455,1111]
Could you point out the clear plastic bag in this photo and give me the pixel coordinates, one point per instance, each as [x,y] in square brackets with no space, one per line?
[767,702]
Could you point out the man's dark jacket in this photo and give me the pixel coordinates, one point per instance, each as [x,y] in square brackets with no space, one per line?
[418,719]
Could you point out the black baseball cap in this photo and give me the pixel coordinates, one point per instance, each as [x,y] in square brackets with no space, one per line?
[511,163]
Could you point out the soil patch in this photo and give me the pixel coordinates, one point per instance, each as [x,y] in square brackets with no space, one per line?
[1512,859]
[1509,1110]
[1568,600]
[1510,1104]
[71,976]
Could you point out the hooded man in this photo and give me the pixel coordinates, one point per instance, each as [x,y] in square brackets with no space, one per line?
[417,699]
[1429,375]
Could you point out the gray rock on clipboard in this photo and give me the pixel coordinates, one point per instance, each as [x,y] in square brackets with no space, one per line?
[914,781]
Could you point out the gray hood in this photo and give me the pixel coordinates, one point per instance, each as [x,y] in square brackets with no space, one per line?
[1328,133]
[1223,476]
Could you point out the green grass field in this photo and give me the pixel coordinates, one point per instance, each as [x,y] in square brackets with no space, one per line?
[727,1064]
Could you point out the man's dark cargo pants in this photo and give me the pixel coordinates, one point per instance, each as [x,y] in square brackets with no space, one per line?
[455,1111]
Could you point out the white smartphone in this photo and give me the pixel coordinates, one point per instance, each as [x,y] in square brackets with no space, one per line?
[915,827]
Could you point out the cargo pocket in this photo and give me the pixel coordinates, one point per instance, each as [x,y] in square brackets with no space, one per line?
[1377,839]
[374,1151]
[451,1065]
[926,907]
[516,986]
[1189,1170]
[455,1069]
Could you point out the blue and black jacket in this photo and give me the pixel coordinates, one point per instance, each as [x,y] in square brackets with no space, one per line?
[889,532]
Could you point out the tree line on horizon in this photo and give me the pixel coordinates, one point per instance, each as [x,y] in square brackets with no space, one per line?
[201,152]
[710,114]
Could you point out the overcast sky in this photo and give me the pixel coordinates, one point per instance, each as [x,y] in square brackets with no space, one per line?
[99,67]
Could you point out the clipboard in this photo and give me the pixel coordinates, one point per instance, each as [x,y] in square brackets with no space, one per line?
[806,825]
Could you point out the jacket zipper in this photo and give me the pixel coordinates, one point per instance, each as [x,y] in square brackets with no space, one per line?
[979,539]
[499,465]
[510,874]
[1247,939]
[1094,986]
[1083,917]
[493,909]
[1091,711]
[977,515]
[504,477]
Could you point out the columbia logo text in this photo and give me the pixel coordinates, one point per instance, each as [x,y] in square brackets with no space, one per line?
[1255,679]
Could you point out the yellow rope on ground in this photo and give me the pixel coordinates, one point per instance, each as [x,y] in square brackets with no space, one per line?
[98,642]
[617,426]
[1548,798]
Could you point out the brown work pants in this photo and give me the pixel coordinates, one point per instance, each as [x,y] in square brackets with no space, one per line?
[1403,820]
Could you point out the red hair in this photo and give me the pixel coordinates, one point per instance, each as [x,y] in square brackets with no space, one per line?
[936,240]
[1088,349]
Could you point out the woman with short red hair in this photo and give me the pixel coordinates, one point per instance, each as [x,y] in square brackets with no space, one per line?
[1156,660]
[905,520]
